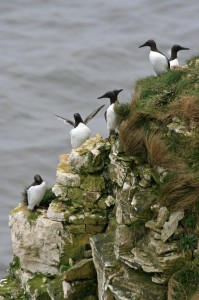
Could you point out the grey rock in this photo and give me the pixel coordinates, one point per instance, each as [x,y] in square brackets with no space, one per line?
[170,227]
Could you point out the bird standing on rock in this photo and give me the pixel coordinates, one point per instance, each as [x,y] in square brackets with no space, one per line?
[110,115]
[158,60]
[174,59]
[35,192]
[80,133]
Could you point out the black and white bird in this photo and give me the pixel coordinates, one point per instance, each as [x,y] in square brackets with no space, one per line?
[80,133]
[158,60]
[35,192]
[110,115]
[174,59]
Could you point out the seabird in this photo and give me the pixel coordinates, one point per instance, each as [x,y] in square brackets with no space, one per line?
[174,59]
[158,60]
[110,116]
[80,133]
[35,192]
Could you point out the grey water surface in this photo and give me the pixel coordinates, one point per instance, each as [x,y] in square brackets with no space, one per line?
[57,57]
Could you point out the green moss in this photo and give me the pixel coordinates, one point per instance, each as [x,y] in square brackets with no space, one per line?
[10,288]
[63,268]
[30,215]
[14,266]
[43,287]
[37,287]
[93,183]
[76,195]
[75,250]
[55,289]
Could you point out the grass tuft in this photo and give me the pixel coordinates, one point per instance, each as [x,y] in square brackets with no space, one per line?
[122,111]
[181,191]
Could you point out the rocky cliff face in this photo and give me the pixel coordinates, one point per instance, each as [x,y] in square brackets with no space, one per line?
[110,232]
[104,235]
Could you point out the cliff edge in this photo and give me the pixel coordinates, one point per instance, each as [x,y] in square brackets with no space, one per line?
[122,220]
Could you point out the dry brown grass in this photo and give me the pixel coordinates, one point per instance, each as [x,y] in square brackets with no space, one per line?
[135,97]
[139,136]
[186,108]
[132,139]
[176,290]
[158,153]
[181,191]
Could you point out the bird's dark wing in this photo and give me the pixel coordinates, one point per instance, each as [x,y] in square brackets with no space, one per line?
[65,120]
[105,115]
[89,117]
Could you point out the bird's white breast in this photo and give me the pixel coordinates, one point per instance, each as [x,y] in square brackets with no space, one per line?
[174,63]
[35,195]
[159,62]
[79,135]
[111,118]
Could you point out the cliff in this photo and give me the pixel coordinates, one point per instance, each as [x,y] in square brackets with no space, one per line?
[122,219]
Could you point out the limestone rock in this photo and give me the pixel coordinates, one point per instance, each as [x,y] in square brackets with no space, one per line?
[66,288]
[124,240]
[59,190]
[110,200]
[178,126]
[144,260]
[117,169]
[104,261]
[132,285]
[68,179]
[82,270]
[93,183]
[98,218]
[162,248]
[37,243]
[90,157]
[170,227]
[76,219]
[153,225]
[57,211]
[156,226]
[162,217]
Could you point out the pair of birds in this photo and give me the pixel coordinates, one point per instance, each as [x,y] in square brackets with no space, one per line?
[79,134]
[159,61]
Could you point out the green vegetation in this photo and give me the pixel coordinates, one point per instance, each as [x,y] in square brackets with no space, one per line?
[162,129]
[123,111]
[11,289]
[48,197]
[185,282]
[189,242]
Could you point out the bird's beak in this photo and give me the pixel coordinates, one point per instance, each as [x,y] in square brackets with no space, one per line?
[183,48]
[142,45]
[103,96]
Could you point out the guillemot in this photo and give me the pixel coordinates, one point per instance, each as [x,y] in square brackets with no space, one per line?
[35,192]
[80,133]
[174,59]
[110,116]
[158,60]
